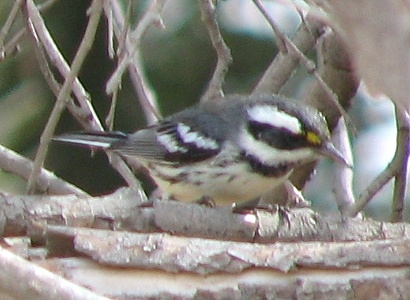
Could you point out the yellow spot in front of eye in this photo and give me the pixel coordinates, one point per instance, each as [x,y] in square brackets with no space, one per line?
[313,138]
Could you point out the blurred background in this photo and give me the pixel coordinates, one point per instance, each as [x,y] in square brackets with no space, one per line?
[179,62]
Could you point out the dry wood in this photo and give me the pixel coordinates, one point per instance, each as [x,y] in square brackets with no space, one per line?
[303,255]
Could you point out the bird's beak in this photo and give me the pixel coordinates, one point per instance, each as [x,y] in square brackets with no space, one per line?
[329,150]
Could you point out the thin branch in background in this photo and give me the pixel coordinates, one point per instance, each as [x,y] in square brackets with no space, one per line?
[12,46]
[41,56]
[343,176]
[109,119]
[47,182]
[49,77]
[224,57]
[46,5]
[86,44]
[402,155]
[333,66]
[86,114]
[307,63]
[377,184]
[282,67]
[334,99]
[122,40]
[52,82]
[9,22]
[83,112]
[307,7]
[280,38]
[397,168]
[110,33]
[130,58]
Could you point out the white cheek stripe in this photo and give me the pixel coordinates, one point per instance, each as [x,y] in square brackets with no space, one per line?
[271,115]
[269,155]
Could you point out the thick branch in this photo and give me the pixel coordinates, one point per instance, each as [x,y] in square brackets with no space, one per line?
[23,280]
[14,163]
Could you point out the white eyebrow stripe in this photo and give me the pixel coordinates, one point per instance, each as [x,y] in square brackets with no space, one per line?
[271,115]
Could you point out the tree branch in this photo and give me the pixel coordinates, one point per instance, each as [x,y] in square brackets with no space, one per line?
[224,57]
[85,46]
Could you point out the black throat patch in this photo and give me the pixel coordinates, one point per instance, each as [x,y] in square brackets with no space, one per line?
[278,170]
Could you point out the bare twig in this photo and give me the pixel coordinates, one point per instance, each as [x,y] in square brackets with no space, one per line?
[12,46]
[130,57]
[109,120]
[307,6]
[9,22]
[83,112]
[402,154]
[372,189]
[224,57]
[284,64]
[46,5]
[397,167]
[311,68]
[280,38]
[85,46]
[110,29]
[335,101]
[335,67]
[44,65]
[126,49]
[343,176]
[86,114]
[124,170]
[14,163]
[303,60]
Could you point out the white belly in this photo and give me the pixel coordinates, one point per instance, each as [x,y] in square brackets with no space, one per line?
[224,185]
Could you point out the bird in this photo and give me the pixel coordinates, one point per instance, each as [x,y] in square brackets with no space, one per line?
[230,149]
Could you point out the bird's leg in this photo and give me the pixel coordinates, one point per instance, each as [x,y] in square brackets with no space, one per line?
[206,201]
[157,194]
[254,205]
[295,198]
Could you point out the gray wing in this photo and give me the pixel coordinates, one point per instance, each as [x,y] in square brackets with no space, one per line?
[171,141]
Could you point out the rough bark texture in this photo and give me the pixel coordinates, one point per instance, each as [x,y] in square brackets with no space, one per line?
[149,253]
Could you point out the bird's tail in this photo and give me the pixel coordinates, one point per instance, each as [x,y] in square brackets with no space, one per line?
[101,140]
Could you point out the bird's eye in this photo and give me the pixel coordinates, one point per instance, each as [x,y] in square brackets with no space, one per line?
[313,138]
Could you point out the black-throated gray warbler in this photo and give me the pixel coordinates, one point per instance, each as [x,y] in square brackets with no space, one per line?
[231,149]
